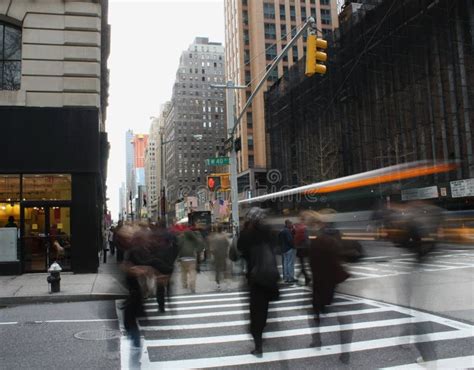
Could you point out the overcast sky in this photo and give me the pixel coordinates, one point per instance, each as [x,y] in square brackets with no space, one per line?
[147,40]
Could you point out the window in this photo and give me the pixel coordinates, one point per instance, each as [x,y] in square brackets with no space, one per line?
[303,13]
[246,56]
[249,120]
[282,11]
[283,30]
[47,187]
[273,75]
[324,2]
[251,161]
[245,17]
[10,57]
[270,32]
[271,52]
[250,141]
[268,11]
[325,16]
[295,54]
[246,37]
[292,13]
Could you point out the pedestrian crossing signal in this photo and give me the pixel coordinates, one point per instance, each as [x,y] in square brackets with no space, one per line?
[213,182]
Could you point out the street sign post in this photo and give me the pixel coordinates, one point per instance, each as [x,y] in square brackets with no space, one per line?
[218,161]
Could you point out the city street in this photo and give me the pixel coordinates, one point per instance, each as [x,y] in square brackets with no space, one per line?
[389,304]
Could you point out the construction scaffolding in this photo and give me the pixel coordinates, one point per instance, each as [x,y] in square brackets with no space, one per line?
[399,88]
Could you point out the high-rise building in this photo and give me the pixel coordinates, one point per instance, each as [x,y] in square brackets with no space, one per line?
[256,32]
[139,147]
[195,125]
[153,162]
[129,169]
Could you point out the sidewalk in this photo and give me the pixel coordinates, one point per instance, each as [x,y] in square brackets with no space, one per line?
[108,283]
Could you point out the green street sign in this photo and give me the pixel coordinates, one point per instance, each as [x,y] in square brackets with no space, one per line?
[218,161]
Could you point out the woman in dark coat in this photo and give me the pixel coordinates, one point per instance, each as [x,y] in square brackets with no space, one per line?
[255,244]
[325,260]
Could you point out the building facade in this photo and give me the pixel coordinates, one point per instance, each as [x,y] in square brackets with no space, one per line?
[140,142]
[408,98]
[53,99]
[256,32]
[153,159]
[130,177]
[195,125]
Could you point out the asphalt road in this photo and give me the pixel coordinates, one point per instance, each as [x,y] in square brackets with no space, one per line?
[59,336]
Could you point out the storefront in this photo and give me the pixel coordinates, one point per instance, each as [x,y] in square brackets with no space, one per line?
[40,207]
[52,184]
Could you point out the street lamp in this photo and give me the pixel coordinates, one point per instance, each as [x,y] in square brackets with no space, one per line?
[196,137]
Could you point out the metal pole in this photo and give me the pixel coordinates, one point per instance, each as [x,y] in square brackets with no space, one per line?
[309,22]
[234,193]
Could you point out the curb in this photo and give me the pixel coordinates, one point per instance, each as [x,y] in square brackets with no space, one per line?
[52,298]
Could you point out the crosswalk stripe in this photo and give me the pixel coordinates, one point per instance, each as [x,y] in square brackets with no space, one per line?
[270,320]
[223,294]
[172,302]
[240,304]
[280,333]
[237,312]
[311,352]
[363,274]
[464,362]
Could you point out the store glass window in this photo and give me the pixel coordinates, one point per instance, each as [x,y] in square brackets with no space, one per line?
[9,188]
[47,187]
[9,200]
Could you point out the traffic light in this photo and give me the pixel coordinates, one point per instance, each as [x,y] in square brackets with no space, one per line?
[213,182]
[315,55]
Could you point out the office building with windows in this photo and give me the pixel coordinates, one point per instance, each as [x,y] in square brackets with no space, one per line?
[195,125]
[255,33]
[53,99]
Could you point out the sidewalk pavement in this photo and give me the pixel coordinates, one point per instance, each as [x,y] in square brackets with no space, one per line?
[107,283]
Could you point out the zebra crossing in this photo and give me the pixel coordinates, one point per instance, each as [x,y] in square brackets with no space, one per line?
[406,263]
[211,331]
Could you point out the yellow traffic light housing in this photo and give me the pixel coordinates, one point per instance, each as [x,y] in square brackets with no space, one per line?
[315,57]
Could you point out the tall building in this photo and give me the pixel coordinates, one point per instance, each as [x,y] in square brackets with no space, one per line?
[139,147]
[195,125]
[256,32]
[129,168]
[153,163]
[53,100]
[122,202]
[423,114]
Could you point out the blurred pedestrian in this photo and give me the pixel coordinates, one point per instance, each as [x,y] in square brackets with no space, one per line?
[190,245]
[255,245]
[164,252]
[110,238]
[301,242]
[328,272]
[219,248]
[288,252]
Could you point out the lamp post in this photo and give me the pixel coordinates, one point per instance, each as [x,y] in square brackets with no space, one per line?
[162,172]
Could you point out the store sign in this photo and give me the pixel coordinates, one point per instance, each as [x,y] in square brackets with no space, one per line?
[218,161]
[420,193]
[462,188]
[8,247]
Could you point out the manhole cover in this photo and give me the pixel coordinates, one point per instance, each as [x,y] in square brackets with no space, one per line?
[102,334]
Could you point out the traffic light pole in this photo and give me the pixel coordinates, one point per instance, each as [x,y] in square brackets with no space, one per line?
[234,192]
[233,120]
